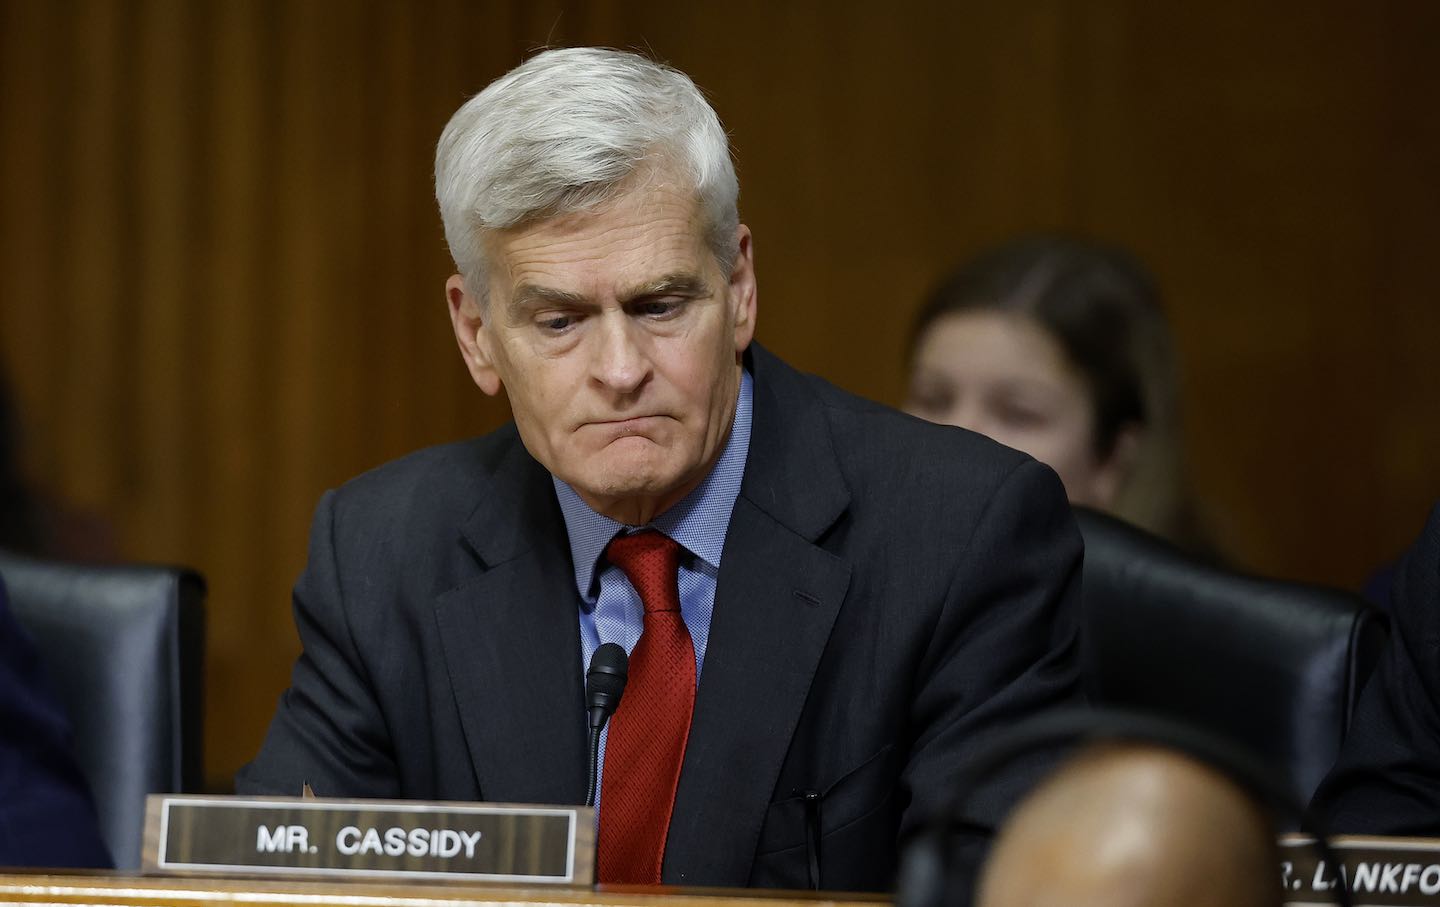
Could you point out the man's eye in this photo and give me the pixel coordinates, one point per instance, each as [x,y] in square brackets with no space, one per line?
[556,323]
[657,308]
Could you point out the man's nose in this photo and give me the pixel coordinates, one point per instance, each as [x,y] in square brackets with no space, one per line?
[621,362]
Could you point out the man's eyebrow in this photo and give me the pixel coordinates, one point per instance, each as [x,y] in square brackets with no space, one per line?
[529,294]
[669,285]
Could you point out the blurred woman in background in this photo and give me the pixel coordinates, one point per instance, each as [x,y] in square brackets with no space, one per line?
[1058,347]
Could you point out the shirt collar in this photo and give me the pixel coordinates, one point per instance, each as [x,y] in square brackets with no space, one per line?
[698,521]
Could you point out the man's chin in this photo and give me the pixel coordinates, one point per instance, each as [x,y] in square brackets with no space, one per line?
[622,495]
[627,487]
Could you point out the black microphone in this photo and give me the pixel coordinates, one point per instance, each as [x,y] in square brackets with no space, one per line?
[604,685]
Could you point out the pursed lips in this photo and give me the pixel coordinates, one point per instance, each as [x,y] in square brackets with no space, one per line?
[631,425]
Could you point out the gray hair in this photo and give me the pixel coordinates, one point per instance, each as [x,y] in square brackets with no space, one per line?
[562,132]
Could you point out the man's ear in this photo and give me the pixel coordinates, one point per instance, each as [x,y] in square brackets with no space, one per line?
[467,316]
[743,294]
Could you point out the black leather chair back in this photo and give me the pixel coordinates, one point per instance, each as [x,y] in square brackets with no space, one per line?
[1274,665]
[123,649]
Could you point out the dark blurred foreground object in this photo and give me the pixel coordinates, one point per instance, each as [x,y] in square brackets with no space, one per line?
[1132,824]
[124,647]
[46,815]
[1276,666]
[1387,779]
[1154,811]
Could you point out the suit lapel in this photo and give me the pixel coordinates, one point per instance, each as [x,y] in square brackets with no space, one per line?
[777,599]
[511,641]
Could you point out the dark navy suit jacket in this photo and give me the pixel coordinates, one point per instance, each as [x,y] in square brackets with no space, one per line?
[891,594]
[1387,779]
[46,815]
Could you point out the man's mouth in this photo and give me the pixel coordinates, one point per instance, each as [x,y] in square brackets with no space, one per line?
[632,425]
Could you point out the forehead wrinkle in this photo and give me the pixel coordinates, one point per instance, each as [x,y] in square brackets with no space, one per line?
[595,240]
[646,232]
[668,252]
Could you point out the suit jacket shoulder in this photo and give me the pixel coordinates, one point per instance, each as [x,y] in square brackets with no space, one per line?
[434,599]
[880,442]
[906,474]
[1387,779]
[429,491]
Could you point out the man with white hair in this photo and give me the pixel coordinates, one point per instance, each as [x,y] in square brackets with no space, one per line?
[826,603]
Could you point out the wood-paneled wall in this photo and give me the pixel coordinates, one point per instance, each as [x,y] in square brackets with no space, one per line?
[221,269]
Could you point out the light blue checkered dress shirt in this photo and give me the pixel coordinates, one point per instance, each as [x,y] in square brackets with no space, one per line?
[613,613]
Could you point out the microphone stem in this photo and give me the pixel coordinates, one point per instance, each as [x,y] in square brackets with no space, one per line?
[594,764]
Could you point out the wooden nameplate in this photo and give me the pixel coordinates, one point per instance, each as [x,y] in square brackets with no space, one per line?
[370,839]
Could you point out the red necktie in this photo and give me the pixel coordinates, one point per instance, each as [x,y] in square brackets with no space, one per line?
[648,733]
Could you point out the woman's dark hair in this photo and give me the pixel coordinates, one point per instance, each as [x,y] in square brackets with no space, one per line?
[1097,302]
[1103,309]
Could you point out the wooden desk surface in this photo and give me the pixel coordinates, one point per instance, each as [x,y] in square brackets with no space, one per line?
[149,891]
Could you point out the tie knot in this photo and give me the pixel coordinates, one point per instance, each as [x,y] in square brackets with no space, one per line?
[652,561]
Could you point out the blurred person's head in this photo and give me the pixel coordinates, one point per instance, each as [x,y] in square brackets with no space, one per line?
[1134,825]
[1058,347]
[605,281]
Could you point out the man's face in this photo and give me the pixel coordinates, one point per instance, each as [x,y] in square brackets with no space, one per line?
[618,340]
